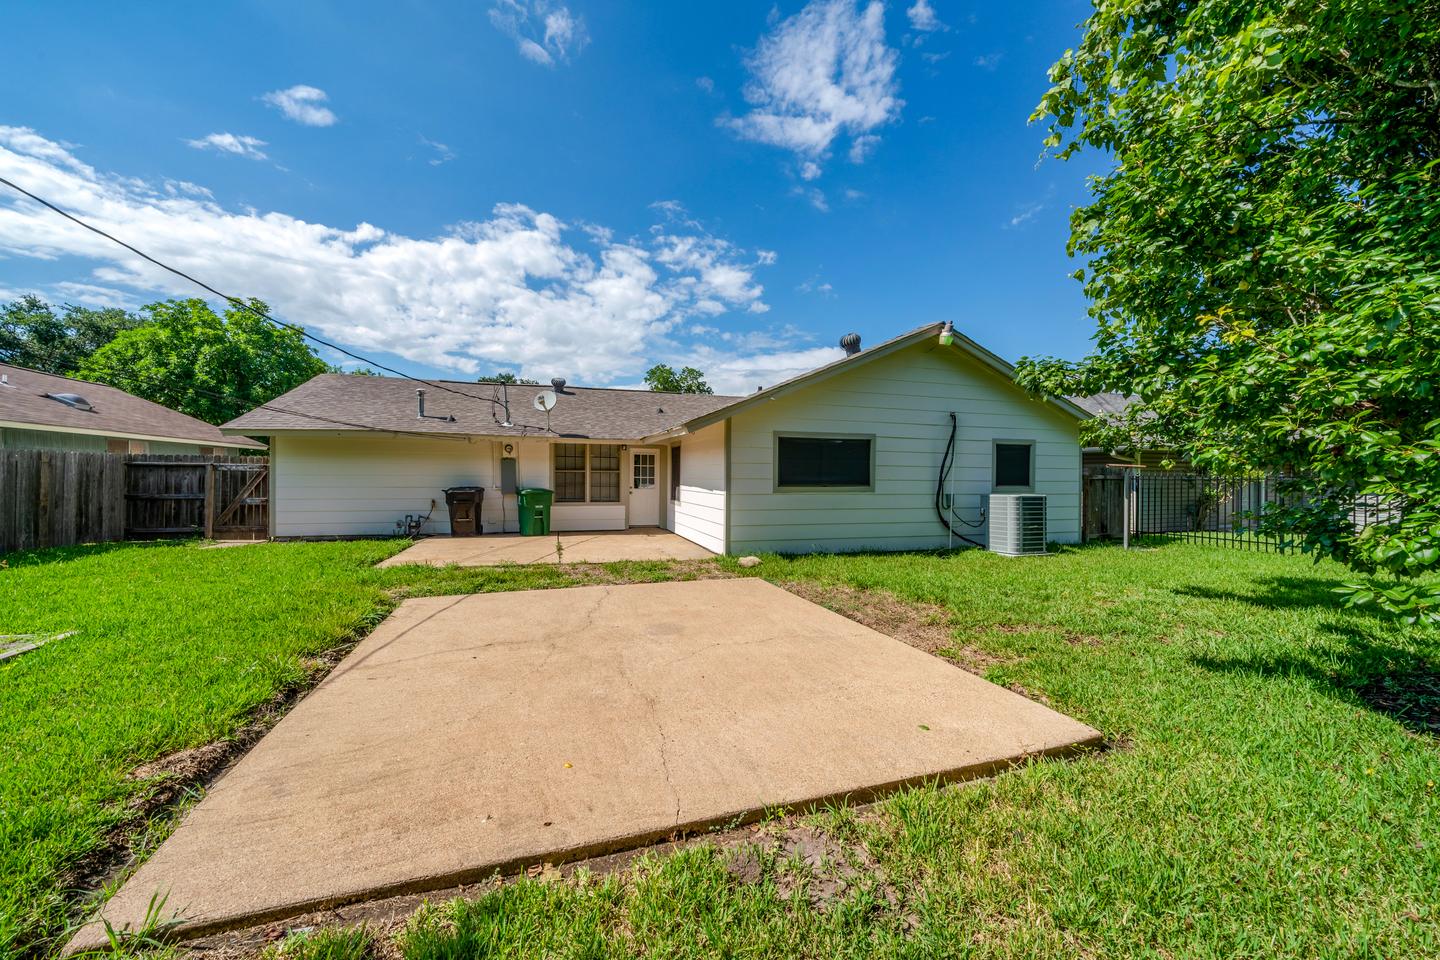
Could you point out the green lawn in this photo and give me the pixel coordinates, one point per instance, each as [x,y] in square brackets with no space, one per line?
[1273,790]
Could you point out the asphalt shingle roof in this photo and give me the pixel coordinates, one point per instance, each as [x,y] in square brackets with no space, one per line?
[338,401]
[23,401]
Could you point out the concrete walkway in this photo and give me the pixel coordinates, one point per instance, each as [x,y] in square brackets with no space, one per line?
[637,543]
[481,733]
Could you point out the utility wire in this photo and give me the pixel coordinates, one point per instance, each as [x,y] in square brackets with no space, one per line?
[271,406]
[236,301]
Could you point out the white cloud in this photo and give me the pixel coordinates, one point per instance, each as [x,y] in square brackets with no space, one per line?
[543,32]
[241,146]
[922,17]
[816,286]
[862,147]
[820,74]
[989,61]
[810,170]
[706,84]
[94,295]
[812,195]
[744,372]
[1025,214]
[520,288]
[443,154]
[303,104]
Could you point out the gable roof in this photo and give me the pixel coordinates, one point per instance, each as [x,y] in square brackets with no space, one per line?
[26,403]
[345,402]
[961,343]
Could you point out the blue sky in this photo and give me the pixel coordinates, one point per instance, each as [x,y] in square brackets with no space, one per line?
[574,188]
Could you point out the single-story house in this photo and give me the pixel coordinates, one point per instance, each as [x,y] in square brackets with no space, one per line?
[44,411]
[848,456]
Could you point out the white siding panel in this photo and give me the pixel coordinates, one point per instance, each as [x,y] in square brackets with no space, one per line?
[699,510]
[904,400]
[344,486]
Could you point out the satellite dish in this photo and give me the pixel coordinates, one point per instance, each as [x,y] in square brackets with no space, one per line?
[545,400]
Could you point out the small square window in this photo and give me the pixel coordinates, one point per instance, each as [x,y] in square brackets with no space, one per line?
[1013,466]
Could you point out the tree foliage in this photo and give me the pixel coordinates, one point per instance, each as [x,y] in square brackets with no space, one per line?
[663,378]
[504,376]
[1263,259]
[211,366]
[33,334]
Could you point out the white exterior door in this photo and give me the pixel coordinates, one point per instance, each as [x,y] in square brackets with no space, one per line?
[644,493]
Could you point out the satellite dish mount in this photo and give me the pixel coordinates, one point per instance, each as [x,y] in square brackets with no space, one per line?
[545,401]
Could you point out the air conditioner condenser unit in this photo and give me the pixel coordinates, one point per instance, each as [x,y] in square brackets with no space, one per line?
[1017,524]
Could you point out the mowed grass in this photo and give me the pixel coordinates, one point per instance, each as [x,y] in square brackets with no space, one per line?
[175,647]
[1269,794]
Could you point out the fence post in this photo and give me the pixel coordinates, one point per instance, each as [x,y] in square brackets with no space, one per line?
[1127,501]
[43,536]
[210,500]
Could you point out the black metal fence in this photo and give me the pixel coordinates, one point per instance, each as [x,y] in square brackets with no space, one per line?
[1227,511]
[1213,510]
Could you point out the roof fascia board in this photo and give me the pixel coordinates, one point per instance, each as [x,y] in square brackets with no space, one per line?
[61,428]
[965,345]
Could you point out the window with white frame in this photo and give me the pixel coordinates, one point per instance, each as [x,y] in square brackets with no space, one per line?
[587,472]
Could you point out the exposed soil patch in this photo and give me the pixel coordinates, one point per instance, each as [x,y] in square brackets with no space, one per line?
[803,857]
[925,626]
[793,852]
[171,778]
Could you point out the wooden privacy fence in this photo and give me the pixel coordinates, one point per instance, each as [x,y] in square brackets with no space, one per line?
[60,498]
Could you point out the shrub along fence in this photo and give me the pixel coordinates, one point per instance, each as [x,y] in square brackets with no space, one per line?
[52,498]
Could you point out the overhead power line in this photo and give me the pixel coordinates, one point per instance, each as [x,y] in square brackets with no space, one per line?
[243,304]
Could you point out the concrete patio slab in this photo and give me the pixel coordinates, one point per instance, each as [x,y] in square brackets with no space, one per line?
[637,543]
[480,733]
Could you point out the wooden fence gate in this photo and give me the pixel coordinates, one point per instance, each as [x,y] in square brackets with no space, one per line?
[239,501]
[220,497]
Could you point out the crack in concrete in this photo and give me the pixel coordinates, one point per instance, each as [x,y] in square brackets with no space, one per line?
[650,707]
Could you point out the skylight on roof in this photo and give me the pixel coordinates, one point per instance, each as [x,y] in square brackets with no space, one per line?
[71,400]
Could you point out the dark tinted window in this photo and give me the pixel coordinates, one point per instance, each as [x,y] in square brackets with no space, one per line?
[1012,464]
[674,473]
[824,462]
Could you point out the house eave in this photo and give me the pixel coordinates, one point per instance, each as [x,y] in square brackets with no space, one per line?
[250,444]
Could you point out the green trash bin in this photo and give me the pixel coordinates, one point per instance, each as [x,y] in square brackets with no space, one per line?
[534,510]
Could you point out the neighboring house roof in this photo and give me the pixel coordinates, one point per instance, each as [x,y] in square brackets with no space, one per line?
[27,403]
[1105,404]
[340,401]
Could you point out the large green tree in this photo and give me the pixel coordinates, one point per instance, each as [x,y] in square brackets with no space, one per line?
[211,366]
[1263,257]
[34,334]
[664,378]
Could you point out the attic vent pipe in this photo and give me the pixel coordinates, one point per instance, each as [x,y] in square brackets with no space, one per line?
[420,409]
[851,343]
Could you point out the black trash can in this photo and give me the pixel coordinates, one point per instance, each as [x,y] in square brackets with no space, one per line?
[464,504]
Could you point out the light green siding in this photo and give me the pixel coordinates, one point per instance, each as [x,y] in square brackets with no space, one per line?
[904,400]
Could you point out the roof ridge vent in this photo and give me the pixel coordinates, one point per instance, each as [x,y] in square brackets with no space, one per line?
[851,344]
[558,384]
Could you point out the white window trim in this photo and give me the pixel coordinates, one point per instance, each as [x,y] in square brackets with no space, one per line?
[588,447]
